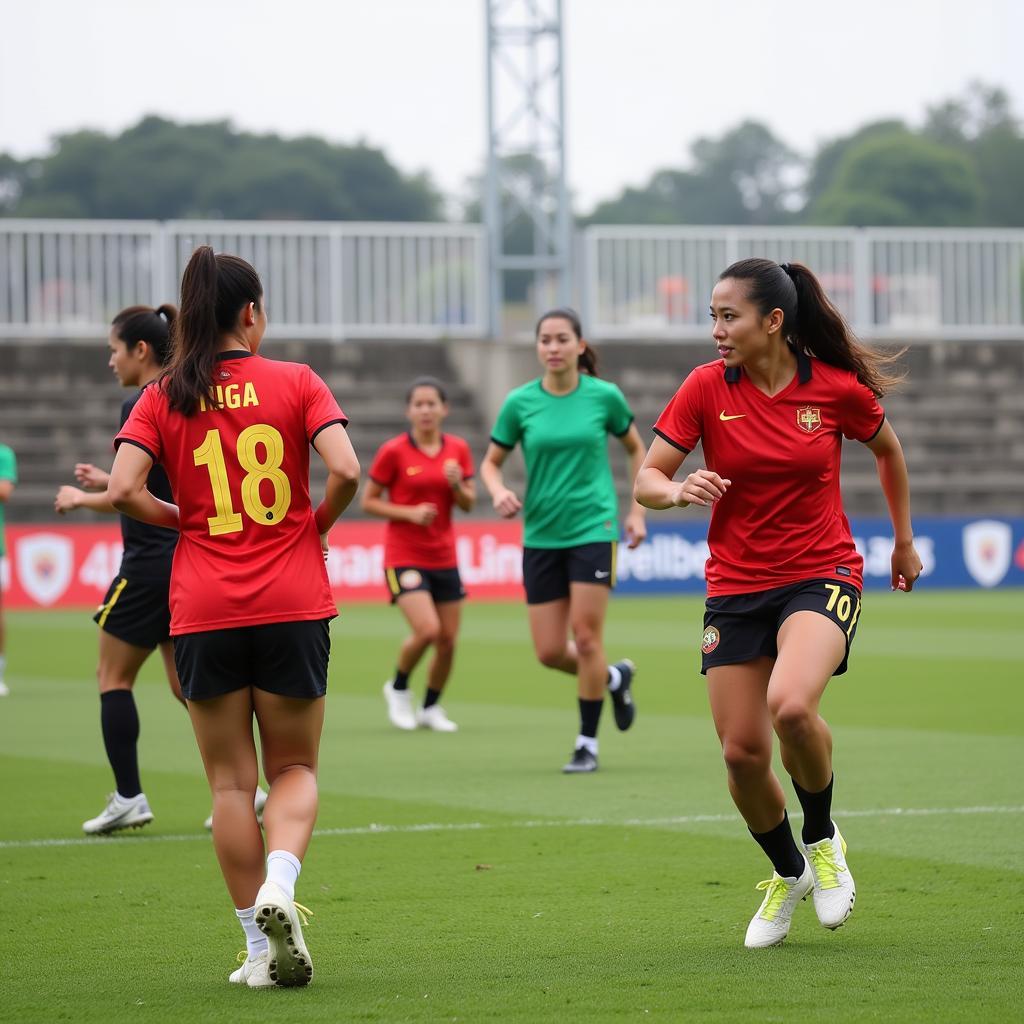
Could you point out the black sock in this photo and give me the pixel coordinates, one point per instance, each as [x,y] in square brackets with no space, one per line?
[780,846]
[120,724]
[590,715]
[431,697]
[401,680]
[817,813]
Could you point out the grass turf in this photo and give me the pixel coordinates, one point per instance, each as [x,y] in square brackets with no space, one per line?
[463,878]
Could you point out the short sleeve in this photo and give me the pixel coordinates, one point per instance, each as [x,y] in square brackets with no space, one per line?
[8,464]
[143,425]
[382,470]
[619,416]
[465,461]
[681,422]
[860,415]
[321,407]
[508,428]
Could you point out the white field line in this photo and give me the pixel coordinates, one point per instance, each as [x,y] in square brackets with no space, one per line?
[479,826]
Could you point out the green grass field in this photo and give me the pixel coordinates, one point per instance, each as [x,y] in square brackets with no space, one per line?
[463,878]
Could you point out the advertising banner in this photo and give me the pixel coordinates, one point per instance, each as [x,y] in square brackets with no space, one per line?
[72,566]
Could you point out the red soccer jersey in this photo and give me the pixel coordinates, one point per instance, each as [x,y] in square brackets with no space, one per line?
[781,521]
[249,552]
[411,478]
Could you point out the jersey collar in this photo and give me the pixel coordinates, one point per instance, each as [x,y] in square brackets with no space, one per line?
[233,353]
[803,368]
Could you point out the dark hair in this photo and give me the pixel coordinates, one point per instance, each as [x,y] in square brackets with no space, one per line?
[588,357]
[811,321]
[214,290]
[143,323]
[426,382]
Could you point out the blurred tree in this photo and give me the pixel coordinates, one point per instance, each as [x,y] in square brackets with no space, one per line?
[163,170]
[828,158]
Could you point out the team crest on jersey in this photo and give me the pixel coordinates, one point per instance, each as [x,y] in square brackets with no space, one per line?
[44,562]
[410,579]
[710,639]
[808,418]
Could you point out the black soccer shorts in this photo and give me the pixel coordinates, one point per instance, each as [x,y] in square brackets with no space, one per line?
[547,572]
[136,611]
[443,585]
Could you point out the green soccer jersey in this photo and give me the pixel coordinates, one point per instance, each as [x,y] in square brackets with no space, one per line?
[570,494]
[8,471]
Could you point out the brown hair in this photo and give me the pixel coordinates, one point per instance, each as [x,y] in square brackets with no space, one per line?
[214,290]
[811,320]
[143,323]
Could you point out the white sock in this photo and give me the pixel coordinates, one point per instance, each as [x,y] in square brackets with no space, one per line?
[614,678]
[590,742]
[255,940]
[283,869]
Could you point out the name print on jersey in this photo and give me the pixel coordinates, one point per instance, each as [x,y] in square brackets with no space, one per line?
[228,396]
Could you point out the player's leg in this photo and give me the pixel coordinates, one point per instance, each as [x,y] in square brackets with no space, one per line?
[737,697]
[811,647]
[119,664]
[432,715]
[417,607]
[549,631]
[167,654]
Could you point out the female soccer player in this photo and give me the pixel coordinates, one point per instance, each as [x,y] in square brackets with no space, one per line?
[570,517]
[8,480]
[250,600]
[425,474]
[784,578]
[135,616]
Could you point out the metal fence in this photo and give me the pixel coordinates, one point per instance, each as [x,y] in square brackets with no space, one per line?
[345,280]
[322,280]
[889,282]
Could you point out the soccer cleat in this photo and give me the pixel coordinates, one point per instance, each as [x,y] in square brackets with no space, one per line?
[4,691]
[277,916]
[435,718]
[258,804]
[622,698]
[120,812]
[834,891]
[582,761]
[253,972]
[770,925]
[400,712]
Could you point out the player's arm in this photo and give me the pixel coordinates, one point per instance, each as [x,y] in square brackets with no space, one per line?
[90,477]
[506,502]
[374,504]
[6,490]
[70,498]
[128,492]
[636,518]
[656,488]
[895,480]
[463,490]
[335,448]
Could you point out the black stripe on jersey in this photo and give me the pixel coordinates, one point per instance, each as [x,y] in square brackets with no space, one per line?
[675,444]
[342,420]
[623,433]
[881,423]
[501,444]
[118,441]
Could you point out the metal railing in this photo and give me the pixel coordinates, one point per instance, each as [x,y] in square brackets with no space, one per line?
[322,280]
[890,283]
[349,280]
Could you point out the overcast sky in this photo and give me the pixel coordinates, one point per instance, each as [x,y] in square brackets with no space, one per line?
[644,78]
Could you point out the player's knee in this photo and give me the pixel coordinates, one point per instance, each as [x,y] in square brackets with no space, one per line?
[444,644]
[793,720]
[745,760]
[428,634]
[588,641]
[551,657]
[109,679]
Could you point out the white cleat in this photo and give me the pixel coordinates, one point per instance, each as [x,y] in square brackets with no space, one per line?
[253,972]
[435,718]
[770,925]
[834,891]
[400,712]
[120,812]
[4,691]
[258,804]
[277,917]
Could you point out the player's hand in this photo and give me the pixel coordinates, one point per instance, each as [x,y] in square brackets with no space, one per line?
[636,529]
[701,487]
[506,504]
[68,499]
[452,472]
[424,514]
[90,477]
[906,566]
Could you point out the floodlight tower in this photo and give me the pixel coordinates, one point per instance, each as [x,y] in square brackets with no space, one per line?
[526,149]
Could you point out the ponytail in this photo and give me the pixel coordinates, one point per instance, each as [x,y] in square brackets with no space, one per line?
[588,357]
[214,290]
[811,321]
[143,323]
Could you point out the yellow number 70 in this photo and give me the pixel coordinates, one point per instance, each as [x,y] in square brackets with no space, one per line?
[842,604]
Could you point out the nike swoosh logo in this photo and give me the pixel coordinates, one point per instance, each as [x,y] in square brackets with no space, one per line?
[601,575]
[413,470]
[724,418]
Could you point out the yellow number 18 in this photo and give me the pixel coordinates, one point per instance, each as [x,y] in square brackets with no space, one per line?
[211,455]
